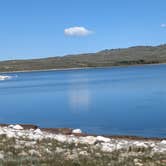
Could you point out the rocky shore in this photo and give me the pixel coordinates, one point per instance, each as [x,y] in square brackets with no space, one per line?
[30,145]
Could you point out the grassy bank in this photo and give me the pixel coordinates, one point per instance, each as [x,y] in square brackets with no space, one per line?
[19,146]
[51,152]
[114,57]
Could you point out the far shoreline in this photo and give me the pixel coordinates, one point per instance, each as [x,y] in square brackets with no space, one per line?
[82,68]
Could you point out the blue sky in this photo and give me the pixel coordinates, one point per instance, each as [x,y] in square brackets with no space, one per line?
[35,28]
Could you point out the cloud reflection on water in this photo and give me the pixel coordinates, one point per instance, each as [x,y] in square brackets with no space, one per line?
[79,96]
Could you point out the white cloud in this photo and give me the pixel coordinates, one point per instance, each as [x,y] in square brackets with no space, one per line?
[77,31]
[163,25]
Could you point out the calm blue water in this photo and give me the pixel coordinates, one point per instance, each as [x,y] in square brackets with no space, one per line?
[121,100]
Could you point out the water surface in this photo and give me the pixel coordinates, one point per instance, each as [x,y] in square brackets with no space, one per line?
[120,100]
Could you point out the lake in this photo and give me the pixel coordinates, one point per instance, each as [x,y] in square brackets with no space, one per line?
[111,101]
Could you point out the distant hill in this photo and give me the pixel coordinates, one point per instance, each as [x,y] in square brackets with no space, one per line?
[113,57]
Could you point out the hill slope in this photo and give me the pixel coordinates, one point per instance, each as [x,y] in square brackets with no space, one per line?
[105,58]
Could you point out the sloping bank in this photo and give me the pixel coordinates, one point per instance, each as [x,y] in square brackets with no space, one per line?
[29,145]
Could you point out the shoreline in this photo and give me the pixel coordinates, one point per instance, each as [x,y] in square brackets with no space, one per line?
[68,131]
[81,68]
[29,144]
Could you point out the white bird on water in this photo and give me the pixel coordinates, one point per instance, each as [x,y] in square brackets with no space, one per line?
[3,77]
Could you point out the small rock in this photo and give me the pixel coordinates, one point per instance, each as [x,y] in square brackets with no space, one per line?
[107,147]
[19,134]
[59,150]
[1,156]
[88,140]
[38,131]
[31,129]
[102,139]
[10,134]
[140,144]
[76,131]
[11,126]
[118,146]
[34,152]
[138,162]
[16,127]
[163,142]
[17,146]
[83,153]
[30,143]
[48,151]
[23,154]
[72,156]
[61,138]
[98,154]
[49,144]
